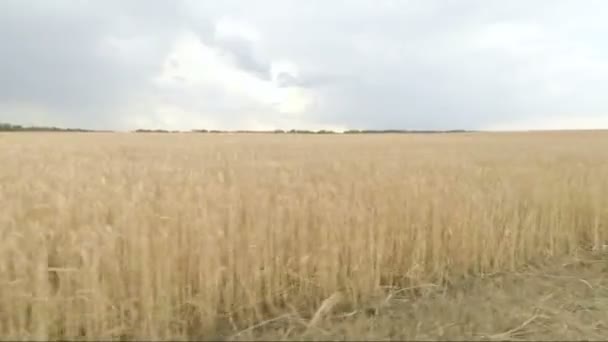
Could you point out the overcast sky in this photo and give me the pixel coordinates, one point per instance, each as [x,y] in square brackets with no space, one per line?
[327,64]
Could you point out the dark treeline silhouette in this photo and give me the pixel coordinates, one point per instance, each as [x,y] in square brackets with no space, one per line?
[155,131]
[276,131]
[402,131]
[6,127]
[298,131]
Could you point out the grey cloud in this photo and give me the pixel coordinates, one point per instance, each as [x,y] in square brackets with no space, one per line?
[238,50]
[426,72]
[52,55]
[285,80]
[378,64]
[241,52]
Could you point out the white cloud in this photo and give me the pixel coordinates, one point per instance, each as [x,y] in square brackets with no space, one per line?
[165,116]
[519,40]
[227,27]
[193,67]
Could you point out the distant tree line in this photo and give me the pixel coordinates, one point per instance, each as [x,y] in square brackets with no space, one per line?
[6,127]
[297,131]
[276,131]
[155,131]
[402,131]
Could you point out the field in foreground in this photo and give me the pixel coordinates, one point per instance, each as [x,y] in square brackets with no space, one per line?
[198,236]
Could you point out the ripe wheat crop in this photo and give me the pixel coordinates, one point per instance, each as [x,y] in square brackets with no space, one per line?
[180,236]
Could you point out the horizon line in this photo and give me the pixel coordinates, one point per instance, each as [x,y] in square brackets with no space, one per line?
[6,127]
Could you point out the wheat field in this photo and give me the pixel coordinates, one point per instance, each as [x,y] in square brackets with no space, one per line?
[183,236]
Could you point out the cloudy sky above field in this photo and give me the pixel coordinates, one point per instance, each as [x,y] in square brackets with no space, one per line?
[265,64]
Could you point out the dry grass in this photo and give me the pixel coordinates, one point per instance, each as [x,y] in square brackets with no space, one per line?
[195,236]
[561,300]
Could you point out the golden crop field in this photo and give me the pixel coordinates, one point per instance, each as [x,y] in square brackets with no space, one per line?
[131,236]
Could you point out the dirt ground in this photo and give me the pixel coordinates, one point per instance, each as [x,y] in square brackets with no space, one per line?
[566,299]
